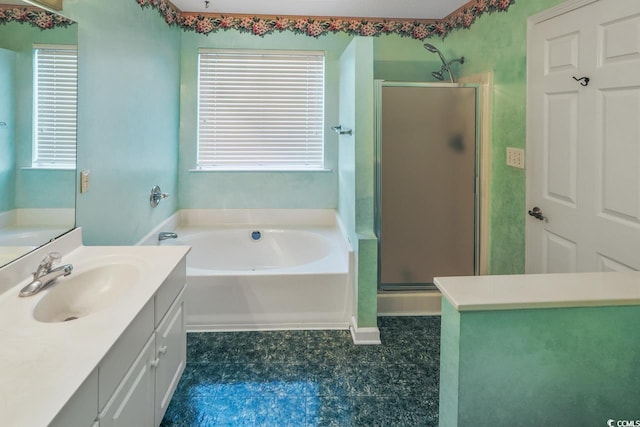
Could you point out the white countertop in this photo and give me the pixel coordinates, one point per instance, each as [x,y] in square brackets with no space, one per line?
[478,293]
[43,364]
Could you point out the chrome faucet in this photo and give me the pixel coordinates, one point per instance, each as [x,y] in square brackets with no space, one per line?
[45,275]
[164,235]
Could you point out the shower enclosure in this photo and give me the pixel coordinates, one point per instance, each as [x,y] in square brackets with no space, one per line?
[426,183]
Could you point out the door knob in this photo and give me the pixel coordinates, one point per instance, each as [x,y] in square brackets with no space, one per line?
[536,212]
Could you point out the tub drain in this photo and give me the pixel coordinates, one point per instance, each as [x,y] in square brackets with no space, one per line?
[256,235]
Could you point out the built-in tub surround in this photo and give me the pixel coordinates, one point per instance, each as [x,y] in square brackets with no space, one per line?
[253,269]
[558,349]
[43,362]
[22,230]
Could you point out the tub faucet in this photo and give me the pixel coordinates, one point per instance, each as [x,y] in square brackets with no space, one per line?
[164,235]
[45,275]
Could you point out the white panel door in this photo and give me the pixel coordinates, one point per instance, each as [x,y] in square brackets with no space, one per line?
[583,140]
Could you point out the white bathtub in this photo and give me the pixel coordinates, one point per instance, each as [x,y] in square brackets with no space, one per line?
[16,241]
[294,275]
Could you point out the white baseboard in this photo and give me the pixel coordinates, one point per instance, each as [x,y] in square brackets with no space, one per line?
[409,303]
[243,327]
[364,336]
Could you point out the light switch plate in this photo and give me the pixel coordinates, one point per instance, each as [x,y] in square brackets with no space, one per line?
[515,157]
[84,181]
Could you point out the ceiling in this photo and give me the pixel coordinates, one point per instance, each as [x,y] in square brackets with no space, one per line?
[412,9]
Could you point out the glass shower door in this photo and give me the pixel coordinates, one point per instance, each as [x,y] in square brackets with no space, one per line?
[426,176]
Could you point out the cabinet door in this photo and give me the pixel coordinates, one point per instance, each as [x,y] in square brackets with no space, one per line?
[123,354]
[132,403]
[171,345]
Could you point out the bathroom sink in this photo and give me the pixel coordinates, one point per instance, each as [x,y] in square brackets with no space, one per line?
[86,292]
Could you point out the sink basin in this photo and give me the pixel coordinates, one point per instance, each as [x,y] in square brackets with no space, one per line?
[86,292]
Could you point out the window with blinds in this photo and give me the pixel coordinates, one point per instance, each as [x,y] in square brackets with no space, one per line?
[260,110]
[55,95]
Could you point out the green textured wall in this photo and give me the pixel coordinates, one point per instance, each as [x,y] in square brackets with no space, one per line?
[449,364]
[237,189]
[356,184]
[7,131]
[367,314]
[497,43]
[128,118]
[347,147]
[540,367]
[365,184]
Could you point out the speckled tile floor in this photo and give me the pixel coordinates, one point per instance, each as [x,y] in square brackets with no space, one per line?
[311,378]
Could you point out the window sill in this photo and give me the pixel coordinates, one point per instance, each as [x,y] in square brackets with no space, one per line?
[47,168]
[205,170]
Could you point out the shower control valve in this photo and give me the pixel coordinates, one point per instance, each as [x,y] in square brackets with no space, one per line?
[156,196]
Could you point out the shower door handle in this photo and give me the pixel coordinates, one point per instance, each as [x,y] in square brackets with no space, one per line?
[536,212]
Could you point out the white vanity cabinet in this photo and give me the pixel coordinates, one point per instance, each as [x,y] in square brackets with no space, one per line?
[118,362]
[142,397]
[134,382]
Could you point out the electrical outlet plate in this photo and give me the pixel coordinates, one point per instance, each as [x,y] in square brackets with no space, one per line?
[515,157]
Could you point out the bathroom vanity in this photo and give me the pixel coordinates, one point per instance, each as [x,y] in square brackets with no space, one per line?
[556,349]
[104,346]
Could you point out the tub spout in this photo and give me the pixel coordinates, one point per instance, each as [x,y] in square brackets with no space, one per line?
[164,235]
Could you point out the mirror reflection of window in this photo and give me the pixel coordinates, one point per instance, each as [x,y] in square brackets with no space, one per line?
[37,193]
[55,103]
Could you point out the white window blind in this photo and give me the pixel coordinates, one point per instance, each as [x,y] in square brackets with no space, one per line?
[55,106]
[260,110]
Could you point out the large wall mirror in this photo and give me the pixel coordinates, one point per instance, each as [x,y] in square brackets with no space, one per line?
[38,110]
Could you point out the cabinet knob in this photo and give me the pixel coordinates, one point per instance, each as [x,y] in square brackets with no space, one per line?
[162,350]
[155,363]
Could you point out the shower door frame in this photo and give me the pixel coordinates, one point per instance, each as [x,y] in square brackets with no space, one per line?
[378,85]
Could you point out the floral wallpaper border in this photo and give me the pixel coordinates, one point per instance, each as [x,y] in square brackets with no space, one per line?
[33,16]
[261,25]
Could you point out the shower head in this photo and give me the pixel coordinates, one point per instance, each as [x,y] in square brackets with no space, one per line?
[446,66]
[438,75]
[431,48]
